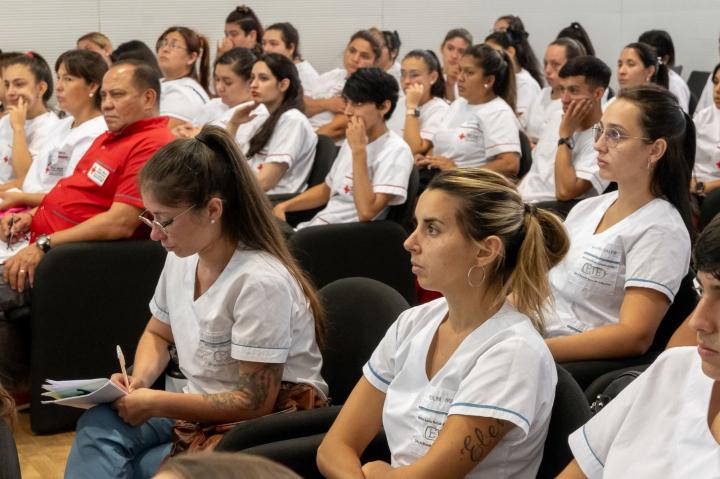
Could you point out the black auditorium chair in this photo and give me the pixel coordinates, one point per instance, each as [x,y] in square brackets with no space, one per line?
[709,208]
[570,411]
[359,312]
[371,249]
[403,214]
[88,297]
[325,154]
[697,81]
[9,463]
[585,372]
[526,158]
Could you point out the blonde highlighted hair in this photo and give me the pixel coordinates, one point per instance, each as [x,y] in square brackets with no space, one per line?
[7,408]
[102,41]
[533,240]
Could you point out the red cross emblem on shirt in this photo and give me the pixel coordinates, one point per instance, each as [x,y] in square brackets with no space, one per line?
[717,165]
[259,167]
[462,136]
[47,169]
[346,189]
[93,170]
[6,159]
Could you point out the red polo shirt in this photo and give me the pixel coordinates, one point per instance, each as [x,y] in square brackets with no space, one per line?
[107,173]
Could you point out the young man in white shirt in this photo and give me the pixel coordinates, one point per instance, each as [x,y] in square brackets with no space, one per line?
[564,162]
[373,167]
[666,423]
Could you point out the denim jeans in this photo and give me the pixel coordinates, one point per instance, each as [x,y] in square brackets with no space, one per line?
[14,339]
[105,446]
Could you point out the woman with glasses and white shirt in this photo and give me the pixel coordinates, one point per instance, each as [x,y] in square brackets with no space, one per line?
[244,356]
[630,249]
[184,59]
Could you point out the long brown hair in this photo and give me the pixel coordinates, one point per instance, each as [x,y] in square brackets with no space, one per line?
[534,240]
[192,171]
[7,408]
[196,43]
[499,65]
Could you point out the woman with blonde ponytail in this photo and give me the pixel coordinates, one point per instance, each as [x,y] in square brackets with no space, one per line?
[469,373]
[184,58]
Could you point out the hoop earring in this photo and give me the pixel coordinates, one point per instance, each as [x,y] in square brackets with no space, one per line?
[650,165]
[469,274]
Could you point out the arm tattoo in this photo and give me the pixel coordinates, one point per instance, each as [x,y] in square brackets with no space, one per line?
[481,442]
[252,391]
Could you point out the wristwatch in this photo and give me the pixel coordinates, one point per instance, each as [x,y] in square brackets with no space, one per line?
[699,188]
[413,112]
[43,242]
[569,142]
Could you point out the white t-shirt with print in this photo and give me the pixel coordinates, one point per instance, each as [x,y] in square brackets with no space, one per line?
[648,249]
[327,85]
[38,132]
[432,116]
[539,183]
[501,370]
[473,134]
[679,88]
[389,163]
[183,98]
[541,111]
[707,152]
[656,427]
[254,311]
[527,90]
[62,153]
[307,73]
[293,142]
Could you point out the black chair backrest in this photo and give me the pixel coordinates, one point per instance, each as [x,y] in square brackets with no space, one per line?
[696,82]
[526,158]
[678,69]
[359,312]
[371,249]
[403,214]
[709,208]
[685,301]
[325,154]
[9,464]
[569,412]
[692,105]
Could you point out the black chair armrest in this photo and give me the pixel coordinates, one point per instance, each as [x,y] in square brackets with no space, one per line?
[280,197]
[585,372]
[88,297]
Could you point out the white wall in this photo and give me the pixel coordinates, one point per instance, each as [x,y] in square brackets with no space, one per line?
[52,26]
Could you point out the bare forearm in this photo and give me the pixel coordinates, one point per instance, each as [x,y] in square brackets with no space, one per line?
[314,197]
[339,461]
[567,185]
[334,130]
[363,194]
[151,358]
[313,106]
[507,164]
[411,135]
[712,185]
[607,342]
[21,159]
[16,183]
[105,226]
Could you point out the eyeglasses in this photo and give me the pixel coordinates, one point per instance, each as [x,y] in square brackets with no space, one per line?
[613,136]
[161,225]
[697,287]
[173,44]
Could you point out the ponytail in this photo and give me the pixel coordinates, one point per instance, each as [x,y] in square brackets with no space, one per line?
[433,63]
[196,43]
[499,65]
[533,240]
[649,58]
[193,171]
[204,68]
[38,67]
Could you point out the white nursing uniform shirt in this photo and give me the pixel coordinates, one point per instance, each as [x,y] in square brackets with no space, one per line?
[183,98]
[38,132]
[473,134]
[501,370]
[432,116]
[307,74]
[648,249]
[395,71]
[210,111]
[528,90]
[706,97]
[62,153]
[389,162]
[254,311]
[327,85]
[539,183]
[679,88]
[656,427]
[293,143]
[707,152]
[540,113]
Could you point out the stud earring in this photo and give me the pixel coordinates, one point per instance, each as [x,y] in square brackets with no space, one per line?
[486,86]
[91,95]
[212,221]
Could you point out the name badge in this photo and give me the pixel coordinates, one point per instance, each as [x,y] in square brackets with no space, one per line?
[98,174]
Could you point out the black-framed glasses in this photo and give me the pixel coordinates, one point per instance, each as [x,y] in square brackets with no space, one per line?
[161,225]
[173,44]
[613,136]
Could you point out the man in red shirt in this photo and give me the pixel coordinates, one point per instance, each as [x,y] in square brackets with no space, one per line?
[99,201]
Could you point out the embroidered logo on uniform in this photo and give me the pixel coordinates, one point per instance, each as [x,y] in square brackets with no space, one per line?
[98,174]
[6,159]
[346,189]
[259,167]
[461,136]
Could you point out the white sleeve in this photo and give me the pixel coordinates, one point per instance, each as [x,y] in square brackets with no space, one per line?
[502,134]
[586,167]
[658,260]
[508,382]
[40,140]
[287,141]
[591,443]
[380,368]
[392,173]
[706,97]
[262,311]
[433,122]
[158,303]
[173,103]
